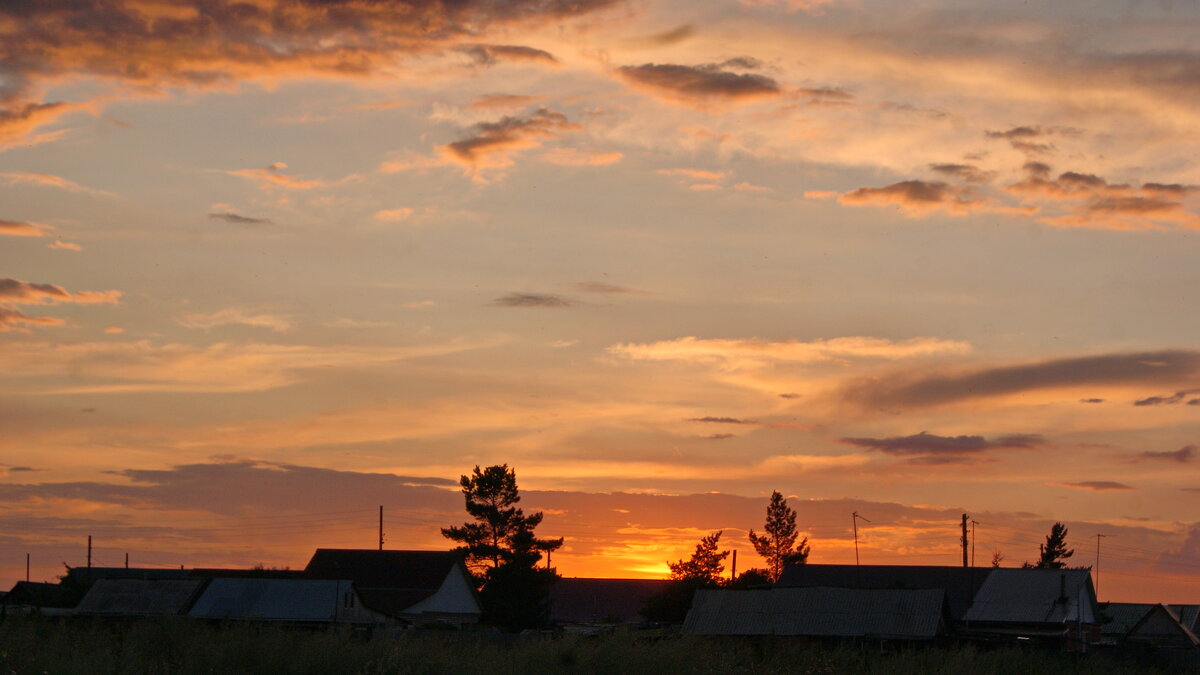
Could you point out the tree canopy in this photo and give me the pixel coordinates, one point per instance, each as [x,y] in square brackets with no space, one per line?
[706,563]
[777,544]
[1053,554]
[502,534]
[502,551]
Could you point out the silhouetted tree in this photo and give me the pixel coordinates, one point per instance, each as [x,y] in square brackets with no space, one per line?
[777,544]
[702,570]
[1054,552]
[751,578]
[502,551]
[997,558]
[706,564]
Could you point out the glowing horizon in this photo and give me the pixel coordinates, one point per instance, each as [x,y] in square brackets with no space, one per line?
[283,261]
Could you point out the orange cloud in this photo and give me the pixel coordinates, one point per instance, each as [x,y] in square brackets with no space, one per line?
[735,353]
[492,143]
[1093,202]
[491,54]
[273,176]
[206,43]
[491,101]
[235,316]
[16,292]
[14,228]
[64,245]
[576,157]
[48,180]
[13,320]
[916,197]
[700,84]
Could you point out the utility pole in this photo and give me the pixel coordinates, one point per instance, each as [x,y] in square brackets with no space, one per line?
[733,570]
[854,518]
[127,560]
[964,539]
[973,524]
[381,527]
[89,550]
[26,567]
[1098,538]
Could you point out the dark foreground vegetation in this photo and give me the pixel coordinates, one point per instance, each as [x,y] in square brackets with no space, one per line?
[35,645]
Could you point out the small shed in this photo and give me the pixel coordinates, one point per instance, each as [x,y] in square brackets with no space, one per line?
[283,600]
[140,597]
[896,614]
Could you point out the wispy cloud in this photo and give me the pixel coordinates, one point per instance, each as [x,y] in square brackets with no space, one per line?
[931,448]
[1096,485]
[15,228]
[532,300]
[488,55]
[238,219]
[605,288]
[701,84]
[905,390]
[48,180]
[491,144]
[735,352]
[14,291]
[1183,455]
[235,316]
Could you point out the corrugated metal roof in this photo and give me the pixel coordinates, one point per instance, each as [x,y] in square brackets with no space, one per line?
[140,597]
[272,599]
[1161,626]
[1031,596]
[818,612]
[1123,615]
[959,583]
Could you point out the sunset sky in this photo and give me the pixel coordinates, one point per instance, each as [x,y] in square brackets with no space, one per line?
[267,265]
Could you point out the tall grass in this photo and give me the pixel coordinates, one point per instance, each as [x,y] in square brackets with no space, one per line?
[36,645]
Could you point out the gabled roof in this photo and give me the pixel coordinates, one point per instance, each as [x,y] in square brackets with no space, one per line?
[387,581]
[575,600]
[1123,616]
[1035,596]
[1161,626]
[959,584]
[140,597]
[301,600]
[819,612]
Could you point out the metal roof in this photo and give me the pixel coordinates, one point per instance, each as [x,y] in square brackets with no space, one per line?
[272,599]
[959,583]
[1035,596]
[387,581]
[140,597]
[818,612]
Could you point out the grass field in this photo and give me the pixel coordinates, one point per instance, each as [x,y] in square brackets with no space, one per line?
[33,645]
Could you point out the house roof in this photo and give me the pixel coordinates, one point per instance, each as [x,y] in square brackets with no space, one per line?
[38,594]
[271,599]
[140,597]
[960,584]
[387,581]
[1035,596]
[1161,626]
[1123,615]
[818,612]
[368,568]
[576,600]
